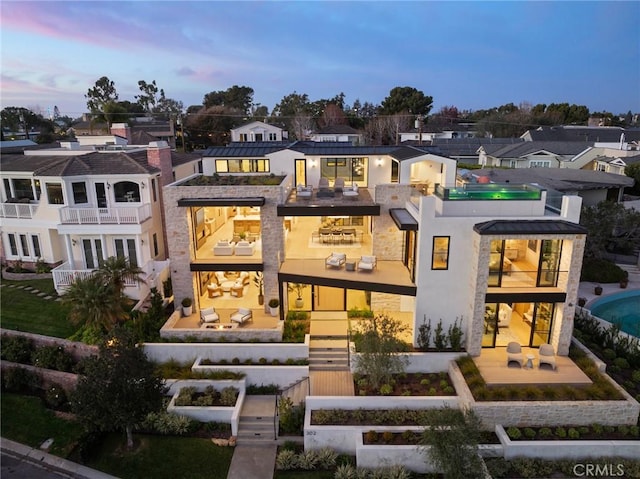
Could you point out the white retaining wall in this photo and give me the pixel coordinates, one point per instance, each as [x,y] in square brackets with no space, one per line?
[281,375]
[188,352]
[375,456]
[576,449]
[418,362]
[225,414]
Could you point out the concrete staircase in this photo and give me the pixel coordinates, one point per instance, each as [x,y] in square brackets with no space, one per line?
[297,391]
[328,354]
[256,420]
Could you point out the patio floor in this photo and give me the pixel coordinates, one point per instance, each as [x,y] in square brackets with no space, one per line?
[261,320]
[492,364]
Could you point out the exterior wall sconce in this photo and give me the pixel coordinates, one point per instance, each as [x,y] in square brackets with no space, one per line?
[108,186]
[313,163]
[379,162]
[73,241]
[142,241]
[142,185]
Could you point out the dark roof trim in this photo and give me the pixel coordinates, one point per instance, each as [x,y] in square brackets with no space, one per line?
[257,201]
[225,266]
[329,210]
[525,297]
[524,227]
[403,219]
[348,284]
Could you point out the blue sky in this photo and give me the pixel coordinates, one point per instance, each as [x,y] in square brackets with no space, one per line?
[472,55]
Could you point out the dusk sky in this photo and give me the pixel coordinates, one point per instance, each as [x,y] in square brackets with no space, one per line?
[472,55]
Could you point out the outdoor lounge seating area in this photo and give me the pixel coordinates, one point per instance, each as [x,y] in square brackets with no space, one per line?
[241,316]
[335,260]
[303,191]
[546,355]
[514,354]
[209,315]
[367,263]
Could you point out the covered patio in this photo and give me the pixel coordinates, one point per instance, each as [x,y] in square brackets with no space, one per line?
[492,364]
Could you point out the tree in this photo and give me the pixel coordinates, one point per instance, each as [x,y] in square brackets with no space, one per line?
[115,270]
[102,93]
[149,95]
[118,388]
[406,100]
[380,347]
[611,227]
[633,171]
[450,442]
[238,98]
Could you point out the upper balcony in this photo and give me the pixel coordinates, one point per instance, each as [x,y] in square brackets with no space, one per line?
[18,210]
[132,215]
[309,201]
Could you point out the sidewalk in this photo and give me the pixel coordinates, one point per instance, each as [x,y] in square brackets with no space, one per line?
[253,461]
[53,463]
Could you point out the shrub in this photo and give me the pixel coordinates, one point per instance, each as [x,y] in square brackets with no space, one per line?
[424,382]
[386,389]
[327,458]
[228,396]
[609,354]
[262,361]
[55,396]
[168,424]
[561,432]
[440,338]
[573,433]
[634,431]
[387,436]
[635,376]
[529,433]
[514,433]
[545,432]
[16,349]
[455,335]
[621,363]
[623,429]
[424,334]
[345,471]
[597,428]
[601,271]
[20,380]
[235,361]
[52,357]
[286,460]
[307,460]
[371,436]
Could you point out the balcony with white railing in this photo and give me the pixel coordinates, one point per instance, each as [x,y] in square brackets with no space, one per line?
[131,215]
[18,210]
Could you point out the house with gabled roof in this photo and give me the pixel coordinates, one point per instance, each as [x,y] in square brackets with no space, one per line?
[258,132]
[337,133]
[531,154]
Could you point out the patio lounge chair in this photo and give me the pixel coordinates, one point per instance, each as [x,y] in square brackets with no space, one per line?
[335,260]
[304,191]
[514,353]
[546,355]
[209,315]
[242,316]
[338,185]
[367,263]
[350,191]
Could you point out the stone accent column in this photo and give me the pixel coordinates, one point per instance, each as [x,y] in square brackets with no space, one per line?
[387,238]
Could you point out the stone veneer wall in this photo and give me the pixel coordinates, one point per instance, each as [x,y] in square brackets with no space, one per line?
[547,413]
[179,233]
[388,242]
[385,302]
[169,331]
[570,260]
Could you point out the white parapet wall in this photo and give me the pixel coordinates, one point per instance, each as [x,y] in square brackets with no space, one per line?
[577,449]
[282,375]
[189,352]
[429,362]
[226,414]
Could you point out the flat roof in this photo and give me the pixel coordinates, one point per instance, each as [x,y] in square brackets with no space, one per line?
[247,201]
[524,227]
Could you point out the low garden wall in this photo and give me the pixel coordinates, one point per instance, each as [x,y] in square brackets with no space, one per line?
[375,456]
[76,349]
[281,375]
[48,377]
[343,438]
[547,413]
[25,276]
[169,331]
[430,362]
[188,352]
[226,414]
[560,449]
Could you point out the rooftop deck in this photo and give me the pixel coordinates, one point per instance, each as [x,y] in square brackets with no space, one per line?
[329,202]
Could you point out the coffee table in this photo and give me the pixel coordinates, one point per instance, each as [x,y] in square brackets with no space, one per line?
[350,266]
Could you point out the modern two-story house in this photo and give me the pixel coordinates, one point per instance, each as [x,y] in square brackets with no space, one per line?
[332,227]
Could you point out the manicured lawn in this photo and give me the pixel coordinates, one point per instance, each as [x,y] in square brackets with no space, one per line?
[163,457]
[25,311]
[27,421]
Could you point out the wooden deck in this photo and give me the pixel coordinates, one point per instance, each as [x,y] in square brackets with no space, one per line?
[492,364]
[331,383]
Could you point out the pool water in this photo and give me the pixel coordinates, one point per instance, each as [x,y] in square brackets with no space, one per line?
[622,309]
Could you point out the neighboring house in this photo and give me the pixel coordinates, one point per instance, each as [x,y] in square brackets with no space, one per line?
[490,251]
[615,164]
[531,154]
[73,207]
[257,132]
[592,186]
[337,133]
[464,150]
[429,133]
[586,134]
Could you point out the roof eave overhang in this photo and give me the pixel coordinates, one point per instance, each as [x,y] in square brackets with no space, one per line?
[403,219]
[248,201]
[329,210]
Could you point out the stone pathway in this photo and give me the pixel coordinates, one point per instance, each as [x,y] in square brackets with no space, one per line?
[31,290]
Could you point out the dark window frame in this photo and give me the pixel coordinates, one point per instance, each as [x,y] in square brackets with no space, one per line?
[434,252]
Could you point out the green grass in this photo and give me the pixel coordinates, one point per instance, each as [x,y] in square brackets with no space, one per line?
[27,421]
[163,457]
[25,311]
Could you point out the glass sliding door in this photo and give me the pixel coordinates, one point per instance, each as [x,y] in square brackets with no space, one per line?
[301,171]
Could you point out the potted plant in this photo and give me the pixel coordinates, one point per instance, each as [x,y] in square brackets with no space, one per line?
[258,280]
[274,306]
[624,281]
[187,307]
[297,288]
[582,302]
[598,290]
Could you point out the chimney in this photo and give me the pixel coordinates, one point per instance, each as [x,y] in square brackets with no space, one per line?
[123,130]
[159,155]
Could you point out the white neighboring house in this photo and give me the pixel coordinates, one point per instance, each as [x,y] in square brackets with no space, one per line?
[74,207]
[337,133]
[257,131]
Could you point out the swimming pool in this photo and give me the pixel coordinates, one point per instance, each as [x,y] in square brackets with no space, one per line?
[620,308]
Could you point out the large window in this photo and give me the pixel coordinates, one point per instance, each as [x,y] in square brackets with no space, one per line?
[24,246]
[13,247]
[351,169]
[440,258]
[126,248]
[126,192]
[22,189]
[54,193]
[79,192]
[242,166]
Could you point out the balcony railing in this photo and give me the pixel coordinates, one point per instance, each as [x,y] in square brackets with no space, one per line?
[105,216]
[18,210]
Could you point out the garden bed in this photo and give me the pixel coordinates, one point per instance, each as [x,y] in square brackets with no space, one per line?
[595,432]
[408,384]
[412,438]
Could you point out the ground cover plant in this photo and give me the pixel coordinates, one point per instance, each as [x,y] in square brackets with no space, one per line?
[601,389]
[256,362]
[190,396]
[413,438]
[560,469]
[373,417]
[25,311]
[563,433]
[296,326]
[217,180]
[407,384]
[173,369]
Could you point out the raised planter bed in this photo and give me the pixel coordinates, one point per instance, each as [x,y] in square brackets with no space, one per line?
[409,384]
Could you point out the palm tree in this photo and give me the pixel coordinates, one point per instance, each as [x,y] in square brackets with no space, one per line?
[94,303]
[116,270]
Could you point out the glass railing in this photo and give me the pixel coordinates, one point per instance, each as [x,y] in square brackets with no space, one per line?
[489,192]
